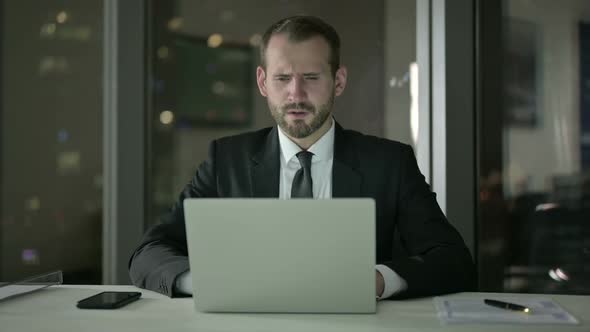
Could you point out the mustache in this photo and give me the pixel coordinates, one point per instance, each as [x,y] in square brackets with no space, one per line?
[298,106]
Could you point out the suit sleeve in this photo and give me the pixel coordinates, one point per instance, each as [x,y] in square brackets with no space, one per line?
[438,260]
[162,254]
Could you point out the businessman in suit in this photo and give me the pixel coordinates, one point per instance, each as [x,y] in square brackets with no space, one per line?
[308,154]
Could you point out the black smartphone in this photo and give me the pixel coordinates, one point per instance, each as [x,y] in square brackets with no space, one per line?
[108,300]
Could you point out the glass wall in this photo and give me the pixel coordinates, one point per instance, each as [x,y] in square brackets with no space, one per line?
[202,61]
[534,227]
[51,139]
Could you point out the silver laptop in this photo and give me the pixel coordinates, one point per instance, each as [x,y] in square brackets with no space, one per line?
[289,256]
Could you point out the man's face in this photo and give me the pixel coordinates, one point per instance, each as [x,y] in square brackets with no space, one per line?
[298,84]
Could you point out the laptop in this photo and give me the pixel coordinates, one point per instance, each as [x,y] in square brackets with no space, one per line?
[284,256]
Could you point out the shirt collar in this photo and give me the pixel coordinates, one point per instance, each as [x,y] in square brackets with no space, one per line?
[323,149]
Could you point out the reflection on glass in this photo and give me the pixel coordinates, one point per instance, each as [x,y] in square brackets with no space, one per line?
[62,17]
[214,40]
[51,139]
[535,193]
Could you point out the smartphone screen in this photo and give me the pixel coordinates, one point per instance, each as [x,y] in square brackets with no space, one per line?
[108,300]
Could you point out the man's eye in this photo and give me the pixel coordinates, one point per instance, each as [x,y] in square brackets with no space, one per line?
[311,78]
[282,78]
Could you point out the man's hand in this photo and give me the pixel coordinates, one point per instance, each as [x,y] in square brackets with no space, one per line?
[380,283]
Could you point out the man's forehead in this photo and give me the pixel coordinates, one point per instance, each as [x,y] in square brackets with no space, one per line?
[286,54]
[306,68]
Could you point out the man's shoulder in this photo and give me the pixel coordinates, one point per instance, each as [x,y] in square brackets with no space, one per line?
[375,152]
[372,142]
[247,139]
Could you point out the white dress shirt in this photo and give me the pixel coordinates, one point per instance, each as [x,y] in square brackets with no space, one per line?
[321,174]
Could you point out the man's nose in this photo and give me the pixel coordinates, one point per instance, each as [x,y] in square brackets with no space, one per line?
[297,89]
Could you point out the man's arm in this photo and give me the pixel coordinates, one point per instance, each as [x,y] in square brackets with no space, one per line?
[439,261]
[162,255]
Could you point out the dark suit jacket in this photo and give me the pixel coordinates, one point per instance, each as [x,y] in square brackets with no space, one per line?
[413,236]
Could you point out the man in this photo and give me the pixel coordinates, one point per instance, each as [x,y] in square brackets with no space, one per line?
[309,155]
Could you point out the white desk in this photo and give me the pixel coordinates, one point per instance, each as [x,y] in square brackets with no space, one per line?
[54,309]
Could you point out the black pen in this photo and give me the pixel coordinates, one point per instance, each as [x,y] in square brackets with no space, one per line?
[507,305]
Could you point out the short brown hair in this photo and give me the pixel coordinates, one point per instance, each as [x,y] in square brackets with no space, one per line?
[300,28]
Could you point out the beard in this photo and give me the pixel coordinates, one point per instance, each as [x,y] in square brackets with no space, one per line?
[299,128]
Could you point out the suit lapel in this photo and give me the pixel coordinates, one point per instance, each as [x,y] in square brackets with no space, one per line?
[346,179]
[265,167]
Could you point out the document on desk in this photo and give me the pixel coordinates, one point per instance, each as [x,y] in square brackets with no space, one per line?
[456,310]
[31,284]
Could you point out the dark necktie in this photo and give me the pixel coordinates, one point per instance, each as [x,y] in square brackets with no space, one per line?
[302,185]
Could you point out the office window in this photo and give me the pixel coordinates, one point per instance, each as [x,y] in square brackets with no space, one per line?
[534,230]
[202,62]
[51,139]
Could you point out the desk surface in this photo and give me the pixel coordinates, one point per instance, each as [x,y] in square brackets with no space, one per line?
[54,309]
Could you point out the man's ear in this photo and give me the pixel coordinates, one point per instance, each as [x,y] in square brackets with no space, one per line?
[340,80]
[261,80]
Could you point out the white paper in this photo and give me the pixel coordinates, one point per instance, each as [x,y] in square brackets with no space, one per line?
[454,310]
